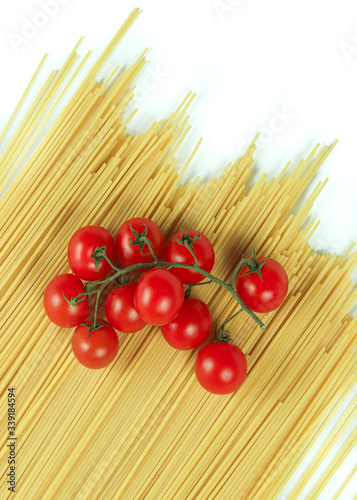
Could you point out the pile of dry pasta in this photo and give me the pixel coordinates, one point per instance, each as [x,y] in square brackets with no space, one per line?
[143,428]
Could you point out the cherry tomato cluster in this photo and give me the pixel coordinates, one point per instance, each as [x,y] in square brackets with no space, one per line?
[156,295]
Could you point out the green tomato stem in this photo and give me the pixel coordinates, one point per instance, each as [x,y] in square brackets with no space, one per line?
[236,270]
[222,331]
[169,265]
[189,288]
[95,324]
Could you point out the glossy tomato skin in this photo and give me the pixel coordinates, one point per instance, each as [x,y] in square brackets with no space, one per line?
[81,248]
[159,296]
[129,254]
[99,349]
[56,307]
[221,368]
[120,310]
[178,253]
[191,327]
[267,295]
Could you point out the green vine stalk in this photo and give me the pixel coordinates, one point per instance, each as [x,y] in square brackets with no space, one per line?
[96,287]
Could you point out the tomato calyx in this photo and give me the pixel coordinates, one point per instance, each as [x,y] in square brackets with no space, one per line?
[254,266]
[98,255]
[141,239]
[224,335]
[93,327]
[74,300]
[187,241]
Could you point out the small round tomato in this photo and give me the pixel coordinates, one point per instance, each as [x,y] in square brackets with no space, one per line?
[57,308]
[177,253]
[130,254]
[191,327]
[266,294]
[120,310]
[99,349]
[81,249]
[159,296]
[220,367]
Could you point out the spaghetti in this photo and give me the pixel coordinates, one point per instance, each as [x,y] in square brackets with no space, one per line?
[143,428]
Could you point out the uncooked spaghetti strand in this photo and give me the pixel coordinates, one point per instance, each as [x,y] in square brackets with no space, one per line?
[284,409]
[335,464]
[345,483]
[8,150]
[23,98]
[302,439]
[325,449]
[33,122]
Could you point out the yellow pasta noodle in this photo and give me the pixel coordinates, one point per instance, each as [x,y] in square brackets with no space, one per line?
[143,428]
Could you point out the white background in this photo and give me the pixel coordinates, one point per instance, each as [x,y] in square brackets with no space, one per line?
[249,61]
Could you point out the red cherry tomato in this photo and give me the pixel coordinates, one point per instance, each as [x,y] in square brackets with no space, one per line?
[158,297]
[177,253]
[267,295]
[221,367]
[99,349]
[120,310]
[56,307]
[129,254]
[191,327]
[81,248]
